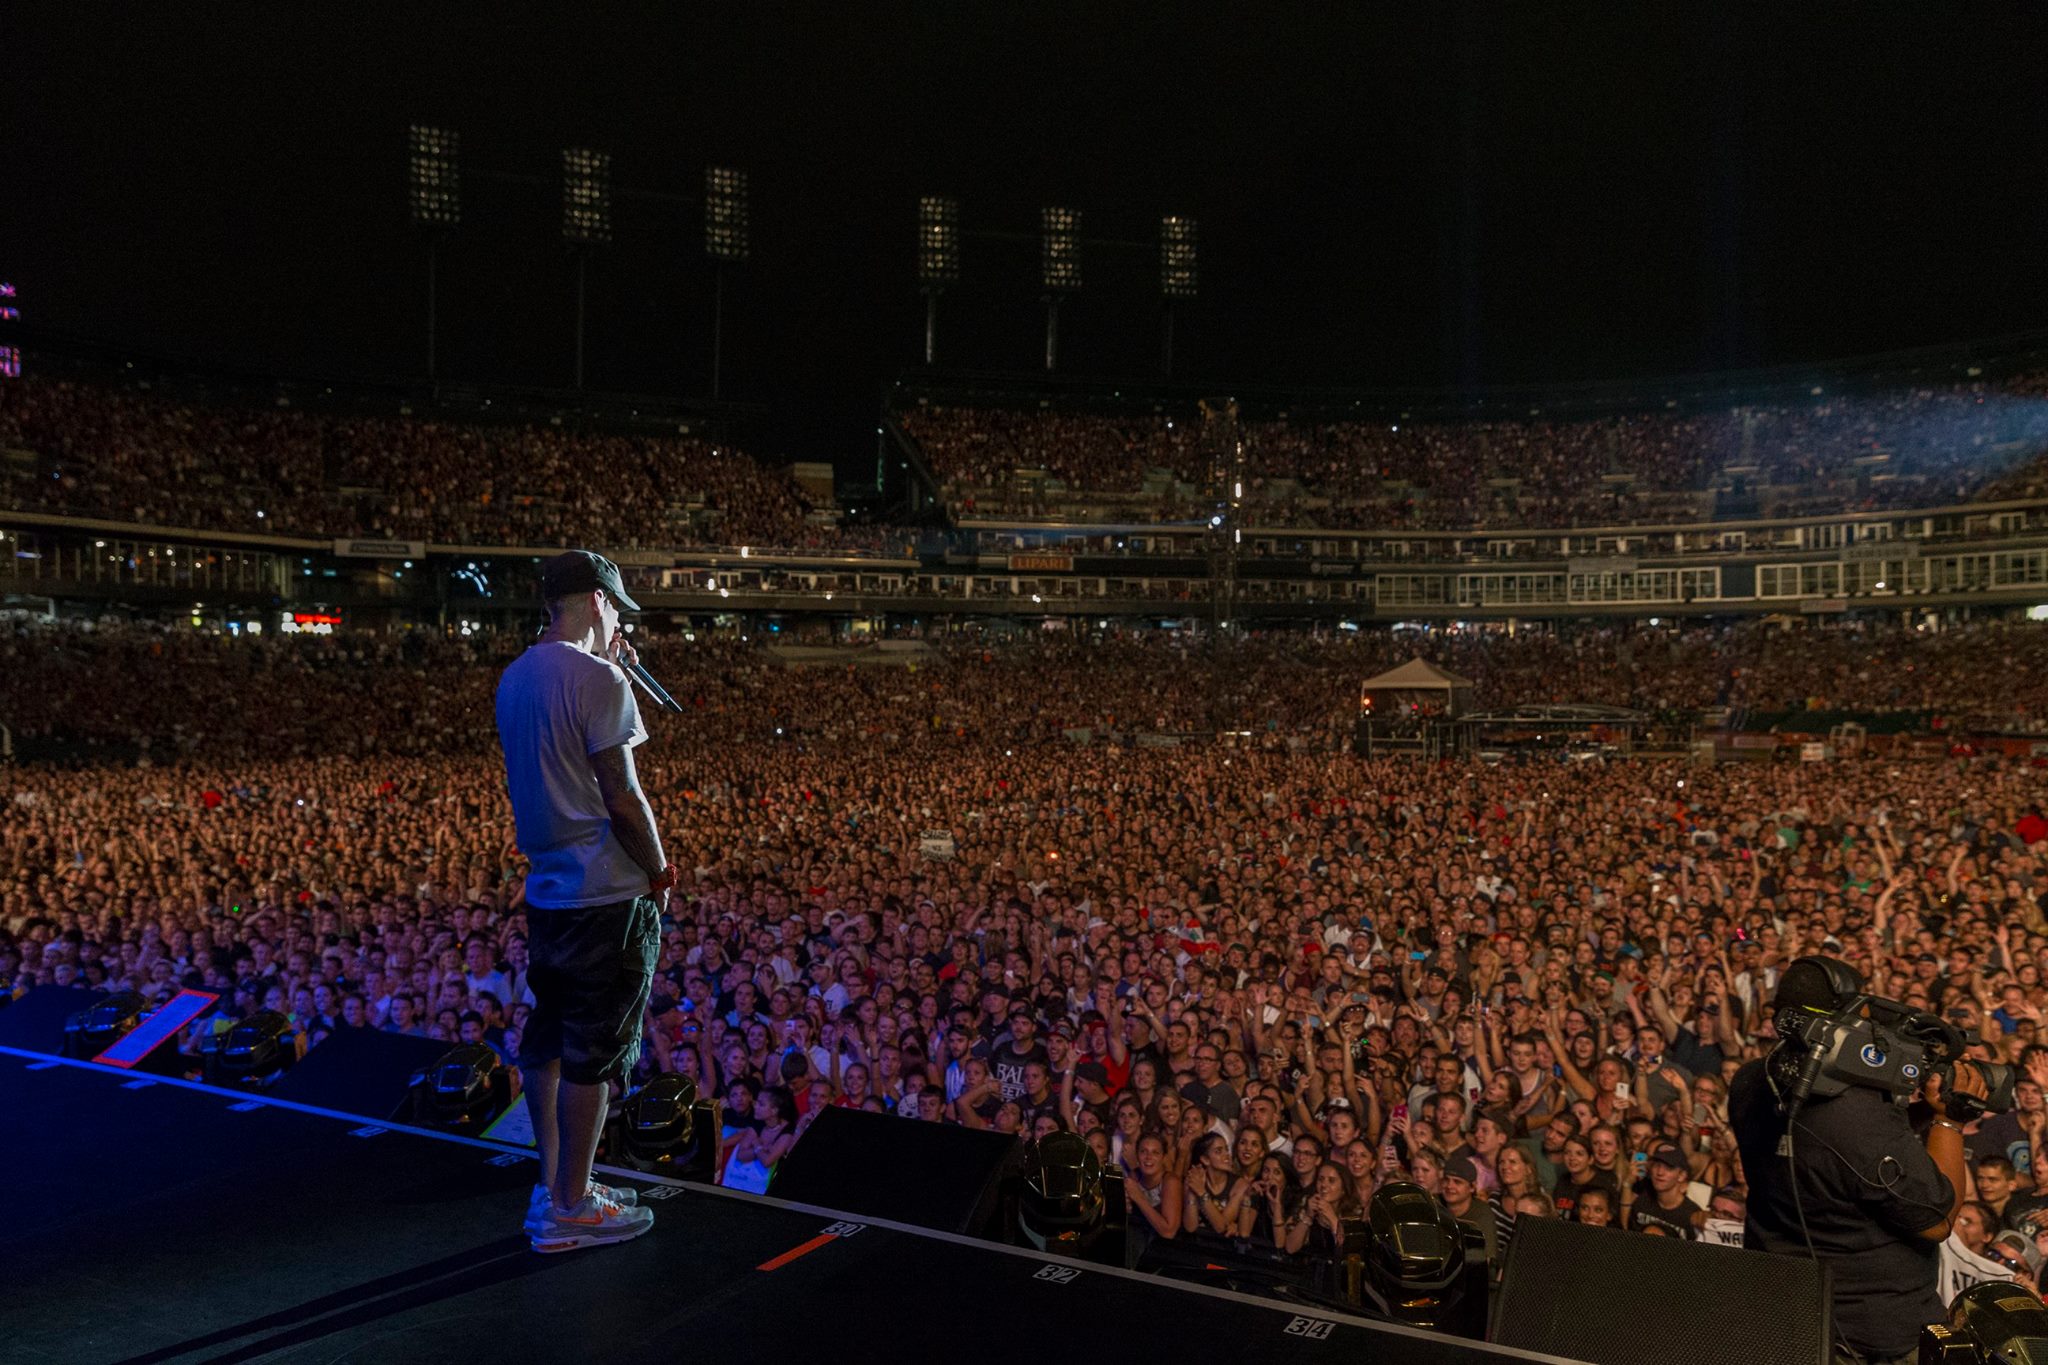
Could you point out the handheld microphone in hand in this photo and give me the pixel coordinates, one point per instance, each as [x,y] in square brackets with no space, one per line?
[653,689]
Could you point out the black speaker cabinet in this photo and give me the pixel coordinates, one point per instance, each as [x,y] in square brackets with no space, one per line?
[929,1175]
[1618,1298]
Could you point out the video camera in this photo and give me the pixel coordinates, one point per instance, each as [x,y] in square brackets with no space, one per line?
[1833,1035]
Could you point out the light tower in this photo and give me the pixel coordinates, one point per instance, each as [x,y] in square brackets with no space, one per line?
[434,175]
[1178,277]
[586,218]
[1059,269]
[938,261]
[725,242]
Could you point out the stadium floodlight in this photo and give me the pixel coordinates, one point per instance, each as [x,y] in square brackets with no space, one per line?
[938,260]
[725,240]
[1061,238]
[586,218]
[725,213]
[434,192]
[1177,276]
[435,177]
[938,241]
[1059,269]
[10,356]
[586,196]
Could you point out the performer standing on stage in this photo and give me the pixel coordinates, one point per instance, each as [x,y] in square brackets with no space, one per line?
[596,888]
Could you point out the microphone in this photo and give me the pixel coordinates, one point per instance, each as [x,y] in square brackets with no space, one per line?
[652,688]
[659,694]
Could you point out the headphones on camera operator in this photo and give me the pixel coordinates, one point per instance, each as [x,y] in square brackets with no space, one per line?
[1834,1035]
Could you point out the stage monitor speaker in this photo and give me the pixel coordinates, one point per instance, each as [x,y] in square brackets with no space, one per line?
[360,1071]
[926,1174]
[35,1023]
[1737,1307]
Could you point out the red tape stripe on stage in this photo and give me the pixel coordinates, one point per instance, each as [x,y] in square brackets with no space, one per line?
[794,1252]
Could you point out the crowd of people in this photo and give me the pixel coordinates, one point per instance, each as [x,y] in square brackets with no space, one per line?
[138,456]
[191,694]
[1261,979]
[981,447]
[1925,445]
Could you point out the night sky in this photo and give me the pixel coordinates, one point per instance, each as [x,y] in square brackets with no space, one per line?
[1389,195]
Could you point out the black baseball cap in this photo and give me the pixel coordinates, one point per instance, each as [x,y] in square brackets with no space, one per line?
[577,571]
[1668,1154]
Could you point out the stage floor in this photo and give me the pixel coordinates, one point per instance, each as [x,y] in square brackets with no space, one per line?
[157,1221]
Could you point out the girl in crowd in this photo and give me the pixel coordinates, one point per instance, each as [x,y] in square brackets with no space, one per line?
[757,1151]
[1319,1227]
[1216,1192]
[1249,1152]
[1580,1175]
[1130,1122]
[1514,1182]
[1307,1155]
[1153,1191]
[1276,1197]
[1144,1082]
[1358,1159]
[1426,1168]
[1594,1207]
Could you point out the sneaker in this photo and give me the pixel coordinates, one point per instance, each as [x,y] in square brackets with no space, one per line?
[537,1203]
[594,1222]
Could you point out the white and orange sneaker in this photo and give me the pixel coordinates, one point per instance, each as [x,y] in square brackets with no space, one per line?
[599,1219]
[538,1202]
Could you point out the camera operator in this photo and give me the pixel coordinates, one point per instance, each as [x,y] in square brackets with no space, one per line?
[1876,1197]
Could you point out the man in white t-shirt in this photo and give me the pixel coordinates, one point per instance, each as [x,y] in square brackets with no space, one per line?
[596,886]
[479,971]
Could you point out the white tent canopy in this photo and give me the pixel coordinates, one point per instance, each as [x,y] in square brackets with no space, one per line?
[1416,682]
[1417,674]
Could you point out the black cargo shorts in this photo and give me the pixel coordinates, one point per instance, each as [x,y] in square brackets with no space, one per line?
[590,970]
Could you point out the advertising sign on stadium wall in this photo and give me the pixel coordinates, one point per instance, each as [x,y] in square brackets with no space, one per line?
[1041,563]
[1600,564]
[1823,606]
[381,549]
[1878,551]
